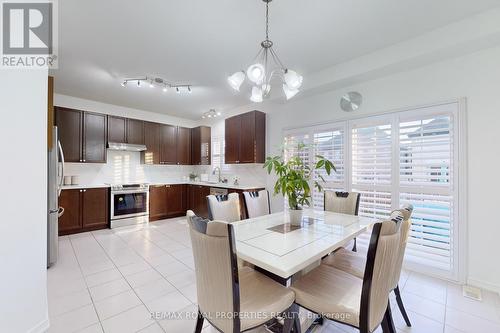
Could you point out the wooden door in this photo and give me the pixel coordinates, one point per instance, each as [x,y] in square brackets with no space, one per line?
[94,137]
[176,200]
[247,138]
[70,222]
[117,129]
[183,146]
[232,137]
[157,202]
[69,126]
[168,144]
[95,203]
[135,131]
[201,145]
[152,142]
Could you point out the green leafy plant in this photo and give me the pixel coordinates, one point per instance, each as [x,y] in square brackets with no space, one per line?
[294,176]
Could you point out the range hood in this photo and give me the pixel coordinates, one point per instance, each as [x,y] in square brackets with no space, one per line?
[125,146]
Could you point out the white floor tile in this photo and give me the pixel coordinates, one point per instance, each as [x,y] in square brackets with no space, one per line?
[153,290]
[141,278]
[96,328]
[426,287]
[469,323]
[487,308]
[108,289]
[74,321]
[422,306]
[186,322]
[113,305]
[103,277]
[133,268]
[69,302]
[155,328]
[129,321]
[419,323]
[161,260]
[65,287]
[189,292]
[182,279]
[172,268]
[168,303]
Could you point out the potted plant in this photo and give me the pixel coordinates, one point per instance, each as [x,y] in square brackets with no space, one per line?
[294,177]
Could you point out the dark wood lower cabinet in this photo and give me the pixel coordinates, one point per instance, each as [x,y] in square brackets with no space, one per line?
[176,200]
[167,201]
[84,210]
[198,199]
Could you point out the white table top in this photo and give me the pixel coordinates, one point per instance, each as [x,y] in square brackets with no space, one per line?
[285,254]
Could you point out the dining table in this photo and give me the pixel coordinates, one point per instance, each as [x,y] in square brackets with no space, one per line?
[275,246]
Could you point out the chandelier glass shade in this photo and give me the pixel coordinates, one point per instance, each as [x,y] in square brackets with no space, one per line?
[266,67]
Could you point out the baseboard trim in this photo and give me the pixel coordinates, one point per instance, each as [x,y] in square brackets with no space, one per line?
[42,327]
[484,285]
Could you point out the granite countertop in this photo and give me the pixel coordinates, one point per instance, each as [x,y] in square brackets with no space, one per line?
[171,182]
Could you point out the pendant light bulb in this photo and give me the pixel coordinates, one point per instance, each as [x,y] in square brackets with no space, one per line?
[165,89]
[292,79]
[256,73]
[256,95]
[289,93]
[236,80]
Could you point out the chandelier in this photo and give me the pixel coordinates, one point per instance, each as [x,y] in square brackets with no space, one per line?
[266,66]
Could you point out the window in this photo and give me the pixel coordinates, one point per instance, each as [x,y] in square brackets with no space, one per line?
[395,159]
[218,148]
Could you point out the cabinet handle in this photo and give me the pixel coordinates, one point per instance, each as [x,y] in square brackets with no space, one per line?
[81,191]
[84,160]
[84,190]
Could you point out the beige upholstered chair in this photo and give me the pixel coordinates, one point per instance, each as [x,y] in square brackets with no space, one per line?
[344,203]
[345,298]
[257,203]
[224,207]
[232,299]
[354,263]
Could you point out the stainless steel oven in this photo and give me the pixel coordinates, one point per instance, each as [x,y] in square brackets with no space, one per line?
[129,204]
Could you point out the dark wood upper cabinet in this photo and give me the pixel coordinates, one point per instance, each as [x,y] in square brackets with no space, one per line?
[183,146]
[245,137]
[168,144]
[95,203]
[117,129]
[94,137]
[70,221]
[232,138]
[135,131]
[201,145]
[69,127]
[152,142]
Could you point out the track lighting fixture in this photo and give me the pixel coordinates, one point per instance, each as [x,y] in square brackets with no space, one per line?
[158,82]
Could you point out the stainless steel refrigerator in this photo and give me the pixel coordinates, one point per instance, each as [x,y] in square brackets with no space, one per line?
[55,181]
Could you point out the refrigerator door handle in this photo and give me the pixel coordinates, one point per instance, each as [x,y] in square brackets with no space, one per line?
[61,180]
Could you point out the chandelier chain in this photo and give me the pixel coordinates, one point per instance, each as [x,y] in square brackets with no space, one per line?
[267,20]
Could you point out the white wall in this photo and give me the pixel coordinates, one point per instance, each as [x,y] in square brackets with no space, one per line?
[475,76]
[23,227]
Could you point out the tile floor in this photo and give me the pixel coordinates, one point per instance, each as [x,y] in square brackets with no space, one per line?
[112,280]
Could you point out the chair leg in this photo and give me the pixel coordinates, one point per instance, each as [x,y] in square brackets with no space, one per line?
[354,248]
[296,319]
[292,320]
[389,322]
[401,306]
[199,323]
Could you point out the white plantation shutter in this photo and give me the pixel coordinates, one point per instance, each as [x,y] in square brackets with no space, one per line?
[426,181]
[371,165]
[291,149]
[329,144]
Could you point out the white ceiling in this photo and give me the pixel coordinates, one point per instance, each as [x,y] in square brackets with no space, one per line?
[200,42]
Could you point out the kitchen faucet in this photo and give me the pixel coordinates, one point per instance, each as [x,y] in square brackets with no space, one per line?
[213,173]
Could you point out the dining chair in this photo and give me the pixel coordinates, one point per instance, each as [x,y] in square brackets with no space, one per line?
[225,207]
[234,299]
[342,297]
[257,203]
[354,263]
[342,202]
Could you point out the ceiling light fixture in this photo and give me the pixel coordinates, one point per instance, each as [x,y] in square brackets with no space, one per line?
[211,114]
[158,82]
[260,73]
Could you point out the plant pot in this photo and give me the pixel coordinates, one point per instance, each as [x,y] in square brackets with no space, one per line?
[295,216]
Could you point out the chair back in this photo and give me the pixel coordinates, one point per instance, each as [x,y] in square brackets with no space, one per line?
[257,203]
[216,273]
[406,212]
[379,271]
[224,207]
[342,202]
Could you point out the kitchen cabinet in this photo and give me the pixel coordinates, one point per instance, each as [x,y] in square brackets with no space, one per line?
[94,138]
[183,146]
[84,210]
[167,201]
[157,202]
[198,199]
[201,145]
[245,137]
[124,130]
[168,144]
[152,142]
[82,135]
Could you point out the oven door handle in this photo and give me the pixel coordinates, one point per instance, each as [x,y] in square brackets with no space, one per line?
[129,192]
